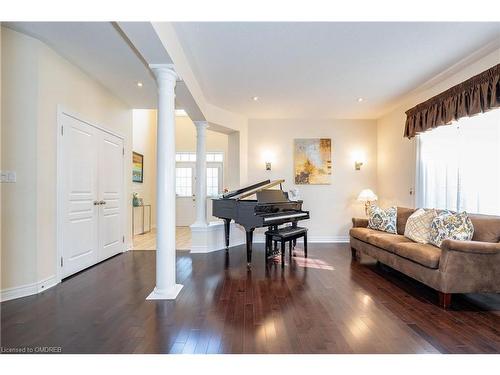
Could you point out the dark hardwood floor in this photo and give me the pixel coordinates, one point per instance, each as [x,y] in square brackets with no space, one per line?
[324,304]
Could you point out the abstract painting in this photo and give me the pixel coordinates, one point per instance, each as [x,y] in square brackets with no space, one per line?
[313,161]
[137,167]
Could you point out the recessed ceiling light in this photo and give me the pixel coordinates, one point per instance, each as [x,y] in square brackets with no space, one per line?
[255,98]
[360,100]
[139,84]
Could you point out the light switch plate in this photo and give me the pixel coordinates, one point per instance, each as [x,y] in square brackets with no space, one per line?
[11,177]
[8,176]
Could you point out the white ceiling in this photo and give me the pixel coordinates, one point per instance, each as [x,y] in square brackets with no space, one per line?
[320,69]
[103,52]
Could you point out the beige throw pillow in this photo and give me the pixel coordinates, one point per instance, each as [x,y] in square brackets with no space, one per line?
[418,225]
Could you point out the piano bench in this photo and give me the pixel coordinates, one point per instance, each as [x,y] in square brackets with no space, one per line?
[284,235]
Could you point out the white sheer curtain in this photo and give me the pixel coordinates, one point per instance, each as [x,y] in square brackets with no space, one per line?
[458,166]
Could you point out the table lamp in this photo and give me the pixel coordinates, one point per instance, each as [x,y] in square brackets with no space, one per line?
[367,196]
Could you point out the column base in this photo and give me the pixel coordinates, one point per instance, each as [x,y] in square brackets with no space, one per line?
[170,293]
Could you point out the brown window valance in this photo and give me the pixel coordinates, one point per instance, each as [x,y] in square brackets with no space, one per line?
[480,93]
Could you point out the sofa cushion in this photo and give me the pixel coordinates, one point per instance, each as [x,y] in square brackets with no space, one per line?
[383,220]
[424,254]
[362,233]
[418,225]
[386,241]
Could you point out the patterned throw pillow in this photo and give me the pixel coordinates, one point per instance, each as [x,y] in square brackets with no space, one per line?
[418,225]
[380,219]
[451,226]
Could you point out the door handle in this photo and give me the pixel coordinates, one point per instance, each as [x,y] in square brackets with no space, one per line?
[96,203]
[102,202]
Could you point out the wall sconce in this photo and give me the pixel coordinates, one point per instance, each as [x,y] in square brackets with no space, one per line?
[268,157]
[359,159]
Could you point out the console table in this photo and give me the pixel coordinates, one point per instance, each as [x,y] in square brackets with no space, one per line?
[143,206]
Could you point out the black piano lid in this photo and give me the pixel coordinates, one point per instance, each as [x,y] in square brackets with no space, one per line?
[271,196]
[251,190]
[247,188]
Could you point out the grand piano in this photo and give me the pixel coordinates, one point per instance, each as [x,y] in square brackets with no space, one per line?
[271,208]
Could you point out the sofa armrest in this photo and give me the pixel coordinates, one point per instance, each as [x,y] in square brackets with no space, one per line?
[469,267]
[359,222]
[472,247]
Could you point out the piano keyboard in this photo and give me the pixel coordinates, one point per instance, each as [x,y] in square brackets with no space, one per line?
[281,217]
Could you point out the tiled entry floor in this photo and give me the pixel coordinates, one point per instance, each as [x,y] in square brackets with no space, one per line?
[148,241]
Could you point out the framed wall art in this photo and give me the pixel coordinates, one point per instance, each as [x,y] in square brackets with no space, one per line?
[312,161]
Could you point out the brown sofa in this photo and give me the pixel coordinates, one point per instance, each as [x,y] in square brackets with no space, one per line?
[456,267]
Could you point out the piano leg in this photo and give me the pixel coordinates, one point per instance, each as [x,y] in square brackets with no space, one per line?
[275,249]
[283,251]
[227,226]
[294,225]
[249,245]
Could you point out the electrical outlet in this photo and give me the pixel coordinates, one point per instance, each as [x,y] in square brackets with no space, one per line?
[3,176]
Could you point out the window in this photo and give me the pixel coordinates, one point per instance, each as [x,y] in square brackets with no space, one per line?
[214,156]
[191,156]
[184,181]
[212,181]
[458,166]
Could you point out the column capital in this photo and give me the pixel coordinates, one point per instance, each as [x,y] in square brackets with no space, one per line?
[203,124]
[164,71]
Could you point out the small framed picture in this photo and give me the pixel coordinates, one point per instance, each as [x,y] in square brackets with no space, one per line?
[137,167]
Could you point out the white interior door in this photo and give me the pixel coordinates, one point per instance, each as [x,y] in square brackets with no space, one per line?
[185,210]
[111,236]
[80,192]
[92,201]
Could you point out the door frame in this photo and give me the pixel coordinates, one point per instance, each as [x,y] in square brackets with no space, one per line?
[62,111]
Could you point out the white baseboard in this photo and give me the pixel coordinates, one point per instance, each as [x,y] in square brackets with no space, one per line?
[28,289]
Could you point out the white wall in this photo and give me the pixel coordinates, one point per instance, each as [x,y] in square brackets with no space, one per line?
[144,142]
[19,131]
[233,164]
[331,206]
[38,80]
[396,154]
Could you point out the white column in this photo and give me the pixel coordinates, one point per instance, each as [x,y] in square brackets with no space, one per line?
[201,174]
[165,288]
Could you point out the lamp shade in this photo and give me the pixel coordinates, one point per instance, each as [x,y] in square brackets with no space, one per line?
[367,195]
